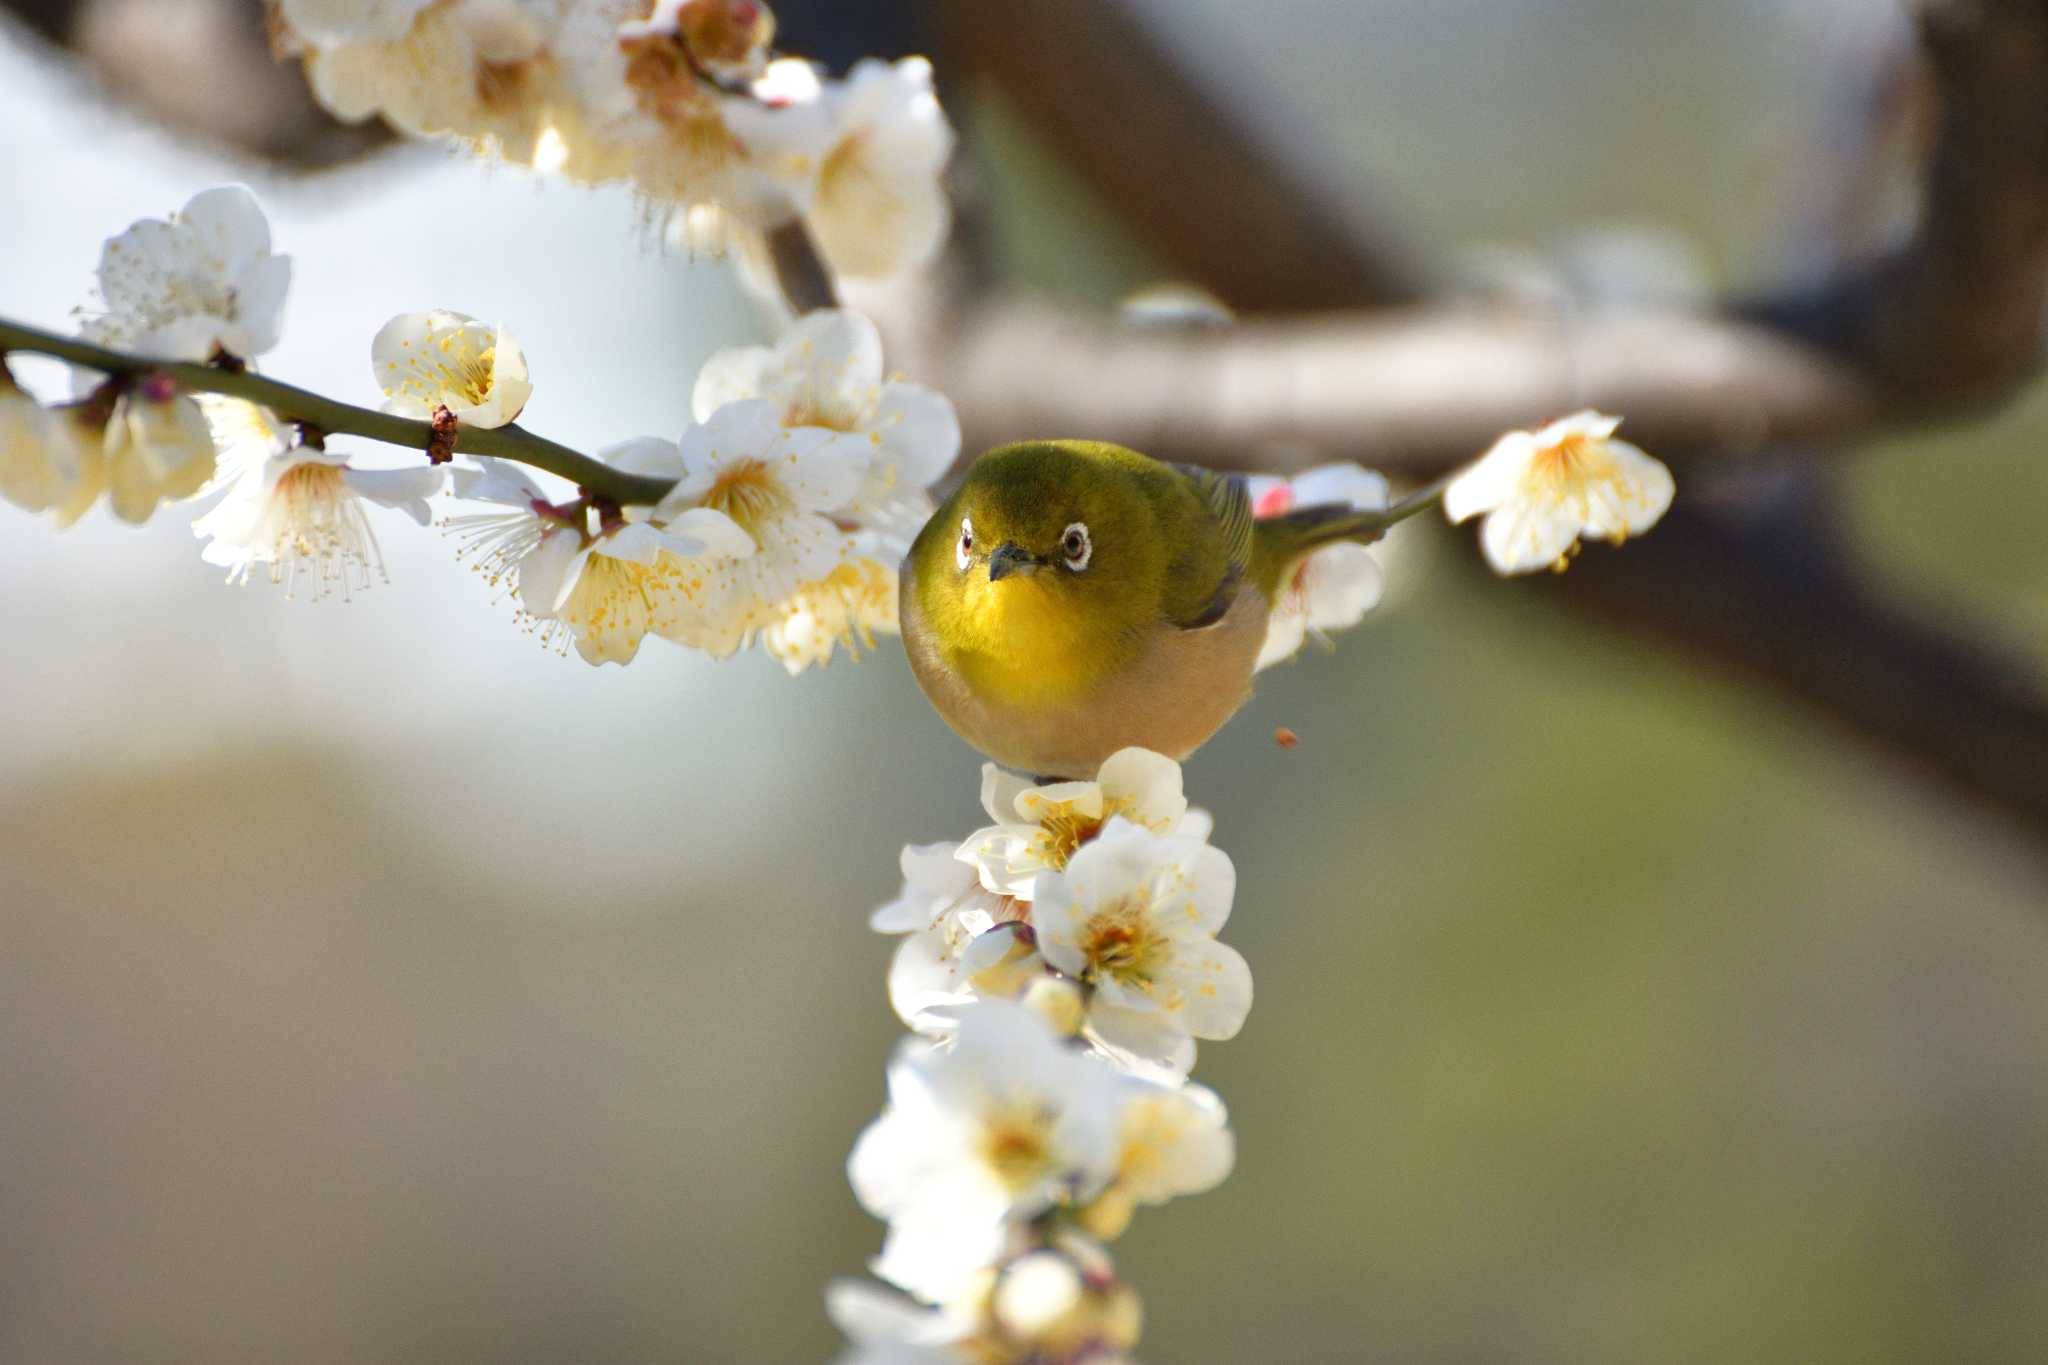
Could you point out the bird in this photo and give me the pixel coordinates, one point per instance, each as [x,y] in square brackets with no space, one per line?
[1074,598]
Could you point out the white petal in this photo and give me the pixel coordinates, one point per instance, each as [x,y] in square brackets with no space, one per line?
[1493,480]
[260,292]
[500,481]
[920,432]
[648,456]
[1524,535]
[404,489]
[548,575]
[708,531]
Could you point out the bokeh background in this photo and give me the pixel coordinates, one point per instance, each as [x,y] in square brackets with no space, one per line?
[377,986]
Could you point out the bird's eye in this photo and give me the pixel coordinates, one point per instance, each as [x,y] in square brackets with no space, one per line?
[1074,545]
[964,550]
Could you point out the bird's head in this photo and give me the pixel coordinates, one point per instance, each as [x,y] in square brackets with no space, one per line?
[1047,547]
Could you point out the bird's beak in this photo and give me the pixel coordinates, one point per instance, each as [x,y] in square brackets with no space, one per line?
[1010,558]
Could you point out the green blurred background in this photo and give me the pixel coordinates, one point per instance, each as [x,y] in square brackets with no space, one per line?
[379,987]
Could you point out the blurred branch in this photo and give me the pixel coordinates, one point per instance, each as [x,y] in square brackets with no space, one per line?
[1949,324]
[1764,589]
[1152,144]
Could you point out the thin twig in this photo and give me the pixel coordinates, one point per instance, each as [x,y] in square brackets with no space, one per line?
[294,404]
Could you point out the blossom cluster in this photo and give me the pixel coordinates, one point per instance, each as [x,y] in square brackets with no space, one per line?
[791,495]
[682,99]
[1057,967]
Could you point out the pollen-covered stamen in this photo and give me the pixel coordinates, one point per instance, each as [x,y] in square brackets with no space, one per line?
[312,522]
[1062,831]
[493,543]
[1120,941]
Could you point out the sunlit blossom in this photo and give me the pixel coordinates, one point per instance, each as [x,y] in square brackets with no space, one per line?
[202,280]
[158,448]
[44,460]
[1039,828]
[1540,491]
[998,1127]
[826,371]
[301,513]
[1135,915]
[428,361]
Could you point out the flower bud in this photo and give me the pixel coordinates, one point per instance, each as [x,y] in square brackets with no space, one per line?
[1040,1299]
[1058,1001]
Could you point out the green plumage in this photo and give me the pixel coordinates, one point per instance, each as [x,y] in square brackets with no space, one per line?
[1048,659]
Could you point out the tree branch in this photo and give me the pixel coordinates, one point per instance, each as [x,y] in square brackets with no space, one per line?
[1949,325]
[509,442]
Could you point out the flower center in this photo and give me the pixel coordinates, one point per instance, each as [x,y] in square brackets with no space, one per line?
[1061,832]
[749,494]
[1016,1146]
[1119,940]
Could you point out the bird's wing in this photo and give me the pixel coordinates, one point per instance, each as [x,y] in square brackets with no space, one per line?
[1221,552]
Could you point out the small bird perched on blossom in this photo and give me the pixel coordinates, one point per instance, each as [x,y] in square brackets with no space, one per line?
[1074,598]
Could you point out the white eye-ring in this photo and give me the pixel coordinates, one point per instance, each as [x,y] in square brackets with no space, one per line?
[963,549]
[1075,546]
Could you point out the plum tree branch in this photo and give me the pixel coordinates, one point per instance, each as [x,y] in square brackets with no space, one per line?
[509,442]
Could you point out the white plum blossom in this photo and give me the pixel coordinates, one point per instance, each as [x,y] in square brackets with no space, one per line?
[860,159]
[603,584]
[1542,490]
[158,448]
[826,371]
[427,361]
[1174,1140]
[780,485]
[1039,828]
[301,510]
[951,955]
[1336,586]
[1134,916]
[44,460]
[977,1138]
[203,280]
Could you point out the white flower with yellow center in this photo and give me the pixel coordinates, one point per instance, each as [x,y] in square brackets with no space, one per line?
[603,584]
[861,159]
[301,511]
[1336,586]
[1173,1140]
[977,1137]
[427,361]
[778,484]
[961,942]
[1135,916]
[158,448]
[1038,829]
[201,281]
[826,371]
[44,460]
[1542,490]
